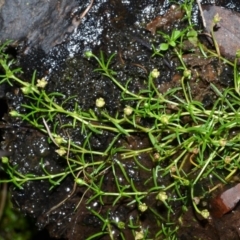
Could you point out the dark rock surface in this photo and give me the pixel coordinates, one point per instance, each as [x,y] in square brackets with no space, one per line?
[227,30]
[36,23]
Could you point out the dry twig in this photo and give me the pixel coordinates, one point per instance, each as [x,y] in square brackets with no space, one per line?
[201,13]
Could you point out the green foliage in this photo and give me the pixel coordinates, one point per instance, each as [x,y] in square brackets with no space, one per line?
[204,141]
[13,225]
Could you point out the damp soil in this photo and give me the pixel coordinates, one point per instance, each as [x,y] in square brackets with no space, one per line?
[112,27]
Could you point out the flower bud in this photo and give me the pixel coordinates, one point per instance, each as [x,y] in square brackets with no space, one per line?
[187,73]
[88,54]
[100,102]
[14,113]
[59,140]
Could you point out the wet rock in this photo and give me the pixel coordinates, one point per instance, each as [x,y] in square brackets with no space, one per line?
[226,32]
[225,202]
[36,23]
[114,27]
[229,4]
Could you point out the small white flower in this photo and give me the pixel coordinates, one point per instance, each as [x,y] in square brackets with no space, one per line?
[100,102]
[41,83]
[156,156]
[155,73]
[205,213]
[227,160]
[142,207]
[128,110]
[139,235]
[162,196]
[61,151]
[222,142]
